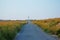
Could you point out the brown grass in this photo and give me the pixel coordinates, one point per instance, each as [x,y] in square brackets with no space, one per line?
[52,24]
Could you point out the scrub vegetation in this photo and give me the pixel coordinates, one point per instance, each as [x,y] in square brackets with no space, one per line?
[9,29]
[51,26]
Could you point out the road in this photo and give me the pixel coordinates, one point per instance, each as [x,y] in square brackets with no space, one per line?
[32,32]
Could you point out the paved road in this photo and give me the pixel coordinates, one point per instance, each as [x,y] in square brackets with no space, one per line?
[32,32]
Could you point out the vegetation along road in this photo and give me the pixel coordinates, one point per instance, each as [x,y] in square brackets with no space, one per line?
[32,32]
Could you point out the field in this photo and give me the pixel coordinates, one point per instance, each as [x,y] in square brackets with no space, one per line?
[51,26]
[9,29]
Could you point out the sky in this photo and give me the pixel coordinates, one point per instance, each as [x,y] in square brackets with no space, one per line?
[35,9]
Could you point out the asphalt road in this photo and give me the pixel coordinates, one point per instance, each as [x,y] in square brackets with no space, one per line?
[32,32]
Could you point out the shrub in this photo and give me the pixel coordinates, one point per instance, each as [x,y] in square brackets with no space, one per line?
[8,30]
[47,31]
[58,32]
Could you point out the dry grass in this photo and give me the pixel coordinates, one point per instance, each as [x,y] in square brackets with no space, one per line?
[50,24]
[9,29]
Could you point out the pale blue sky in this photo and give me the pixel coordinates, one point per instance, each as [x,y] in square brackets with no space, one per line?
[36,9]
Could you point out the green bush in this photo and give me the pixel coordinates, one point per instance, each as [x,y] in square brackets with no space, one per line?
[58,33]
[47,31]
[6,34]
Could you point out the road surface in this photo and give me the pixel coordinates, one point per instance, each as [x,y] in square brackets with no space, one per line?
[32,32]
